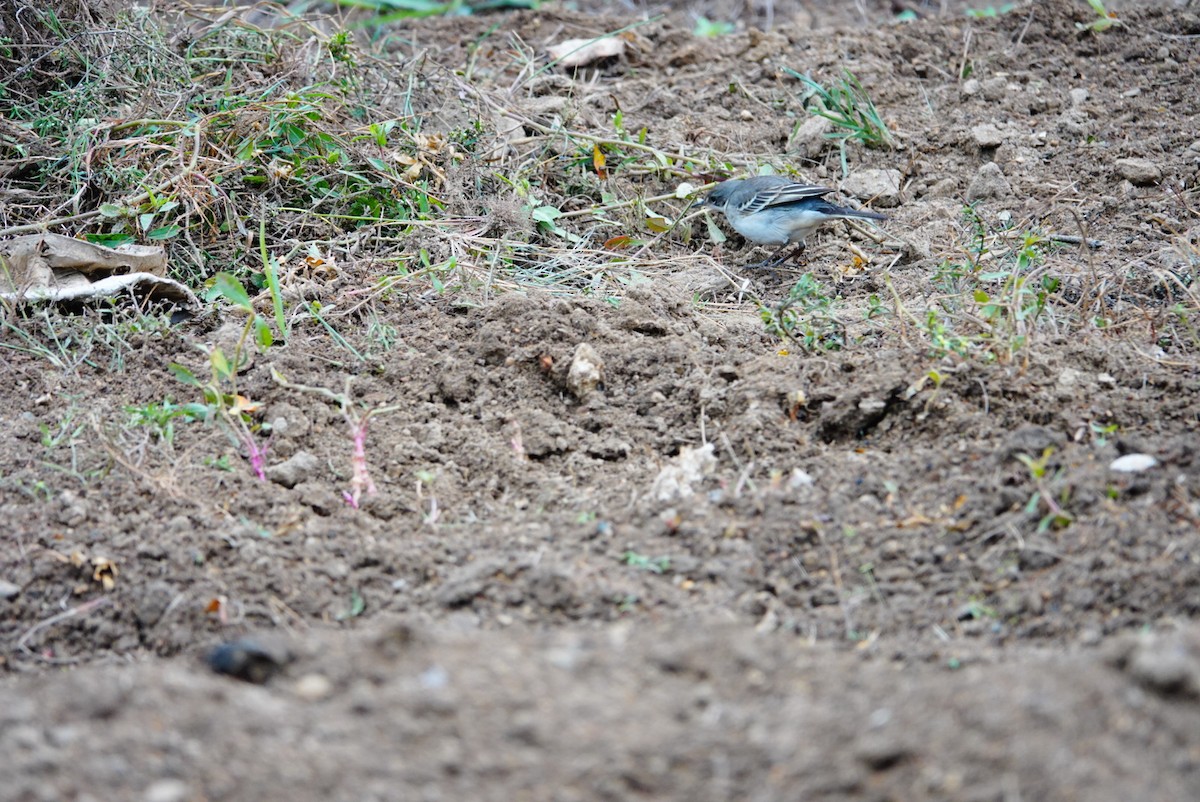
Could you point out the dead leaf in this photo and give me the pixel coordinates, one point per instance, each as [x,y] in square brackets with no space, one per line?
[578,52]
[104,572]
[598,161]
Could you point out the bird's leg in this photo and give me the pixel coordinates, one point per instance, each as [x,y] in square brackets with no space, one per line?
[779,257]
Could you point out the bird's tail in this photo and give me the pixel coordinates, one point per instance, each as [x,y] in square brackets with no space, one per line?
[834,210]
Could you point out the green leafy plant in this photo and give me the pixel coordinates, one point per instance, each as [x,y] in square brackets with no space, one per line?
[655,565]
[846,104]
[220,392]
[991,11]
[1047,502]
[710,29]
[805,317]
[1104,18]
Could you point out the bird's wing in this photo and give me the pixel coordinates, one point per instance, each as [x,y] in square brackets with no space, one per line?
[784,193]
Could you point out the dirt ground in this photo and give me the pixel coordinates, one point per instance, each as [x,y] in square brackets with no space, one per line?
[728,567]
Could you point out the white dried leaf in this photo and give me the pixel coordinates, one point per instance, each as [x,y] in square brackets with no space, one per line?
[1133,463]
[578,52]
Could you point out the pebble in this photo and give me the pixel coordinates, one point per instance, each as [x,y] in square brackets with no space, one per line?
[248,659]
[1140,172]
[1078,96]
[586,372]
[9,591]
[294,470]
[880,186]
[987,135]
[312,687]
[1133,463]
[167,791]
[989,182]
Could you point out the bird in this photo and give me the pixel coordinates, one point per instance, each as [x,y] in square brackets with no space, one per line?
[773,210]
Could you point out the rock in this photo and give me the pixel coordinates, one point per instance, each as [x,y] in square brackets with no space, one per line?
[1078,96]
[586,371]
[987,135]
[312,687]
[880,186]
[1132,463]
[946,188]
[989,182]
[810,137]
[9,591]
[970,87]
[1140,172]
[994,88]
[167,791]
[294,470]
[249,659]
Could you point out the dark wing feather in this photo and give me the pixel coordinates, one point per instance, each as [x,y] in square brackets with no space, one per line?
[783,194]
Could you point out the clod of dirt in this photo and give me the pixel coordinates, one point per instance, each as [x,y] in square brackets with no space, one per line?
[298,468]
[689,468]
[1168,664]
[586,372]
[248,659]
[987,136]
[1139,172]
[880,186]
[989,182]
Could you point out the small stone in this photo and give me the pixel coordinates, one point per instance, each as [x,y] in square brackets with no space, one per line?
[946,188]
[994,88]
[294,470]
[1195,146]
[989,182]
[1078,96]
[249,659]
[167,791]
[312,687]
[987,135]
[586,371]
[1107,379]
[1133,463]
[882,187]
[970,87]
[1140,172]
[811,136]
[9,591]
[1068,379]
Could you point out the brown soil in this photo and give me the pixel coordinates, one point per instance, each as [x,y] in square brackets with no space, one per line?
[864,596]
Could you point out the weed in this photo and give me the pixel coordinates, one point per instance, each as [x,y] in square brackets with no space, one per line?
[221,398]
[160,419]
[1045,502]
[805,317]
[356,420]
[990,11]
[709,29]
[1104,18]
[846,104]
[655,565]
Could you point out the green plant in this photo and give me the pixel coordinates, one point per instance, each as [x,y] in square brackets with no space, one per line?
[655,565]
[991,11]
[220,391]
[710,29]
[356,420]
[805,317]
[160,419]
[1051,495]
[1104,18]
[846,104]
